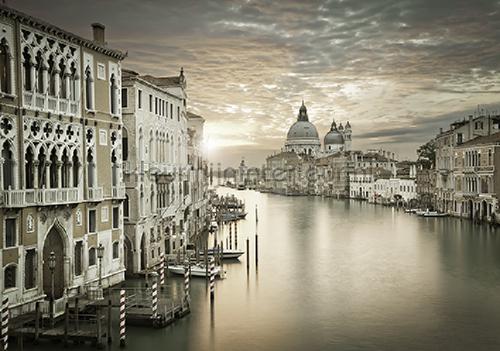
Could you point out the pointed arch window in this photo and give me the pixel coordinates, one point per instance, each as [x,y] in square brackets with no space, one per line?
[76,169]
[73,83]
[112,93]
[124,144]
[29,169]
[52,76]
[91,169]
[63,82]
[4,67]
[8,166]
[40,73]
[10,277]
[27,66]
[89,89]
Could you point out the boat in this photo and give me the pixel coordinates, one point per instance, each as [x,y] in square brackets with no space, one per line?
[412,210]
[434,214]
[197,270]
[241,187]
[227,254]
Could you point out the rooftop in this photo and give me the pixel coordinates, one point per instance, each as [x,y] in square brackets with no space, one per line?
[56,31]
[482,140]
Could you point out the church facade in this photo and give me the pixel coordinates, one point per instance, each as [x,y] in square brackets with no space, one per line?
[303,138]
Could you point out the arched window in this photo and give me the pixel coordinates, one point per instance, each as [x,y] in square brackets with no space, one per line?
[73,82]
[27,70]
[76,169]
[89,87]
[10,277]
[151,147]
[112,94]
[114,169]
[62,80]
[53,169]
[124,144]
[90,169]
[52,76]
[92,256]
[8,166]
[39,73]
[116,250]
[41,168]
[30,266]
[65,173]
[29,169]
[126,207]
[4,67]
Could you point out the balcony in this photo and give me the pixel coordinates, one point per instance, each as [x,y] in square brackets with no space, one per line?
[95,194]
[118,191]
[40,197]
[48,103]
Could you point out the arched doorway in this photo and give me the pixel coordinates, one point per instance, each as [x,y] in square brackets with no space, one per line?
[143,253]
[484,210]
[129,257]
[471,209]
[53,243]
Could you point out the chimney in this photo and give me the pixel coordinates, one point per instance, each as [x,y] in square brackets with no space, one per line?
[441,130]
[98,31]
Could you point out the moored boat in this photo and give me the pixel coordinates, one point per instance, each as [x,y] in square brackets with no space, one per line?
[197,270]
[226,255]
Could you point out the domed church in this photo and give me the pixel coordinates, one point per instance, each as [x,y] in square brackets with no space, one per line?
[302,138]
[338,139]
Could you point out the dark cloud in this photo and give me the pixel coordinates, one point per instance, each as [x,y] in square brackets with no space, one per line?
[397,69]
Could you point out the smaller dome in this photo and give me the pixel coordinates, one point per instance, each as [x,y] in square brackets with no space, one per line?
[334,137]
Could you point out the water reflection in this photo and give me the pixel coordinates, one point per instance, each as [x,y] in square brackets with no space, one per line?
[343,275]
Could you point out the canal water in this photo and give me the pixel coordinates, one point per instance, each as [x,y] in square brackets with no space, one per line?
[343,275]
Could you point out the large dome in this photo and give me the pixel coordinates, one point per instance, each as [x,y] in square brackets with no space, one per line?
[302,130]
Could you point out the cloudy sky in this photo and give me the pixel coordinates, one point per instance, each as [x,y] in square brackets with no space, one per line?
[396,69]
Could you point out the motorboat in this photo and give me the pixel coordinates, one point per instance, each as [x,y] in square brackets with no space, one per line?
[197,270]
[412,210]
[227,254]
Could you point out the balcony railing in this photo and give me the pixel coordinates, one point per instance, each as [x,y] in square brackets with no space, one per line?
[48,103]
[118,191]
[29,197]
[95,194]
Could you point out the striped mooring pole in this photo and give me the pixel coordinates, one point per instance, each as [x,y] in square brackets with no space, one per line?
[212,279]
[162,270]
[154,296]
[122,317]
[236,236]
[186,283]
[230,236]
[5,323]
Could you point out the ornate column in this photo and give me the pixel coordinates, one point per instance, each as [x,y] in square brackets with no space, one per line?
[1,173]
[59,173]
[47,174]
[57,81]
[68,90]
[70,175]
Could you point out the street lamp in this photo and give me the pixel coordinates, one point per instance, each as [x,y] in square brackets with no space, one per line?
[52,267]
[100,255]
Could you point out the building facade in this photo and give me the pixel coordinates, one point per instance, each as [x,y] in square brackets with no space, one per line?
[157,171]
[61,189]
[476,178]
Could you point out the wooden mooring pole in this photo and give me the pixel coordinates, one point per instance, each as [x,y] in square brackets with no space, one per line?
[37,321]
[248,254]
[110,328]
